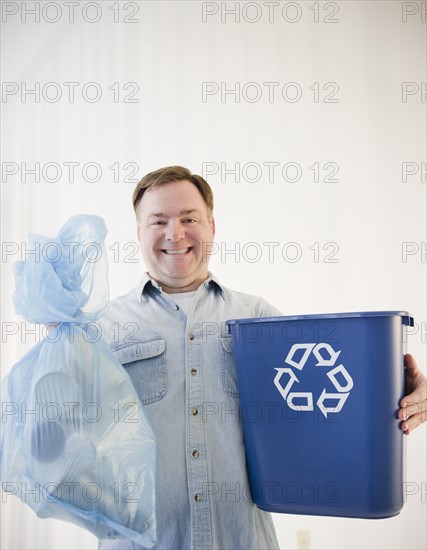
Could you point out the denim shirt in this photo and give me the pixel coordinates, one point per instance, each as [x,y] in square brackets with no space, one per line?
[183,369]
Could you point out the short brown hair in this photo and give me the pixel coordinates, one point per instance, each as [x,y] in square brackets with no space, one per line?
[170,174]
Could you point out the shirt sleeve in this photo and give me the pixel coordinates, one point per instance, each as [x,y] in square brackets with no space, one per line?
[267,310]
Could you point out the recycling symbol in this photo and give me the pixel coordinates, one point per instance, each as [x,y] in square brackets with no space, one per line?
[326,356]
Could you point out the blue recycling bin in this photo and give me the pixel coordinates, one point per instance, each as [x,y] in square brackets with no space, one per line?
[319,396]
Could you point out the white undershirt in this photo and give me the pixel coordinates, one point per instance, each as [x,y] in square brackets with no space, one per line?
[184,299]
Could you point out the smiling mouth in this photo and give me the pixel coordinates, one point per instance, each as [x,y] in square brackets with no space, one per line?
[180,251]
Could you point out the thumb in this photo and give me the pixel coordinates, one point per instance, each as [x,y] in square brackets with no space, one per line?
[410,364]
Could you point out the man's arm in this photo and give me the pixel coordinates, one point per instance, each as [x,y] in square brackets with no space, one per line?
[414,404]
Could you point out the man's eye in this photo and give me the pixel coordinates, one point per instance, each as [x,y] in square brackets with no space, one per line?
[189,220]
[158,222]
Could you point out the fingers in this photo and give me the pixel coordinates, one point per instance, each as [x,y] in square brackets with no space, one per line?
[415,381]
[417,397]
[413,422]
[410,363]
[413,410]
[413,416]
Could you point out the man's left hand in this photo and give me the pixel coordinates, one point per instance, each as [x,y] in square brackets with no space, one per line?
[413,410]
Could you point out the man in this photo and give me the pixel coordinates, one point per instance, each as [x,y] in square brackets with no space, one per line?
[163,335]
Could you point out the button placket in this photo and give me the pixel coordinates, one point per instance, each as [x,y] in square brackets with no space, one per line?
[197,474]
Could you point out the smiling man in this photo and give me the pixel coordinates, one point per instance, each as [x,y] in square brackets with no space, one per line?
[175,226]
[169,335]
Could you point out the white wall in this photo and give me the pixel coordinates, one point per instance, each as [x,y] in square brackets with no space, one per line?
[363,59]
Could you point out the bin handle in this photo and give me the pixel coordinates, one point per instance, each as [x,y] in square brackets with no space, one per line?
[408,320]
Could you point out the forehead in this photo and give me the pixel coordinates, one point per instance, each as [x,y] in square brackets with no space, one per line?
[172,199]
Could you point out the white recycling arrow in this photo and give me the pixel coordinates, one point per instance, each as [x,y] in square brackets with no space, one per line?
[300,395]
[340,369]
[299,364]
[322,361]
[292,378]
[340,397]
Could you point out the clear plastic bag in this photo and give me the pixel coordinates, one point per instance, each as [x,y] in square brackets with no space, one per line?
[76,444]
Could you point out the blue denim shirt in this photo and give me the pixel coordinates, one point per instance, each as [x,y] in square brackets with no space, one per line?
[183,369]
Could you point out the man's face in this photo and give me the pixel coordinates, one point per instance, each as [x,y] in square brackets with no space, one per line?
[174,229]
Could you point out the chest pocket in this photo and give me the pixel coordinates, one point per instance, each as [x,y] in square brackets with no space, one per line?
[228,368]
[145,362]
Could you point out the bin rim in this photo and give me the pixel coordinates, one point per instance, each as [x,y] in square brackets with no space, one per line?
[407,318]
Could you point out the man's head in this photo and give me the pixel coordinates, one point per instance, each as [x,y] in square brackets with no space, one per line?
[170,174]
[174,211]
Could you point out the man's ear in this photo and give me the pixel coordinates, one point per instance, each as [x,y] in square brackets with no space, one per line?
[213,225]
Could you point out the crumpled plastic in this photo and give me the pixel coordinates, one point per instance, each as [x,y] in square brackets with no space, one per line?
[76,444]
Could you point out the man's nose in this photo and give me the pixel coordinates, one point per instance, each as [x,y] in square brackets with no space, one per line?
[174,231]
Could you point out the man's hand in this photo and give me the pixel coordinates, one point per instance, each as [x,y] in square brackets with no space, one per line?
[414,404]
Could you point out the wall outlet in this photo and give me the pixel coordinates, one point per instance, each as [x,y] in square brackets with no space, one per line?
[303,540]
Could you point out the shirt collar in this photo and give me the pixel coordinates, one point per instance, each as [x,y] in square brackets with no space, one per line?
[211,282]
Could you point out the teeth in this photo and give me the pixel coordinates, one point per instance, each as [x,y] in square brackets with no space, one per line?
[181,251]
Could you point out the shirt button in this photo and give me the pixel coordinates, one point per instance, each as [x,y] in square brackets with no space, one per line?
[191,336]
[198,497]
[195,453]
[193,372]
[194,411]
